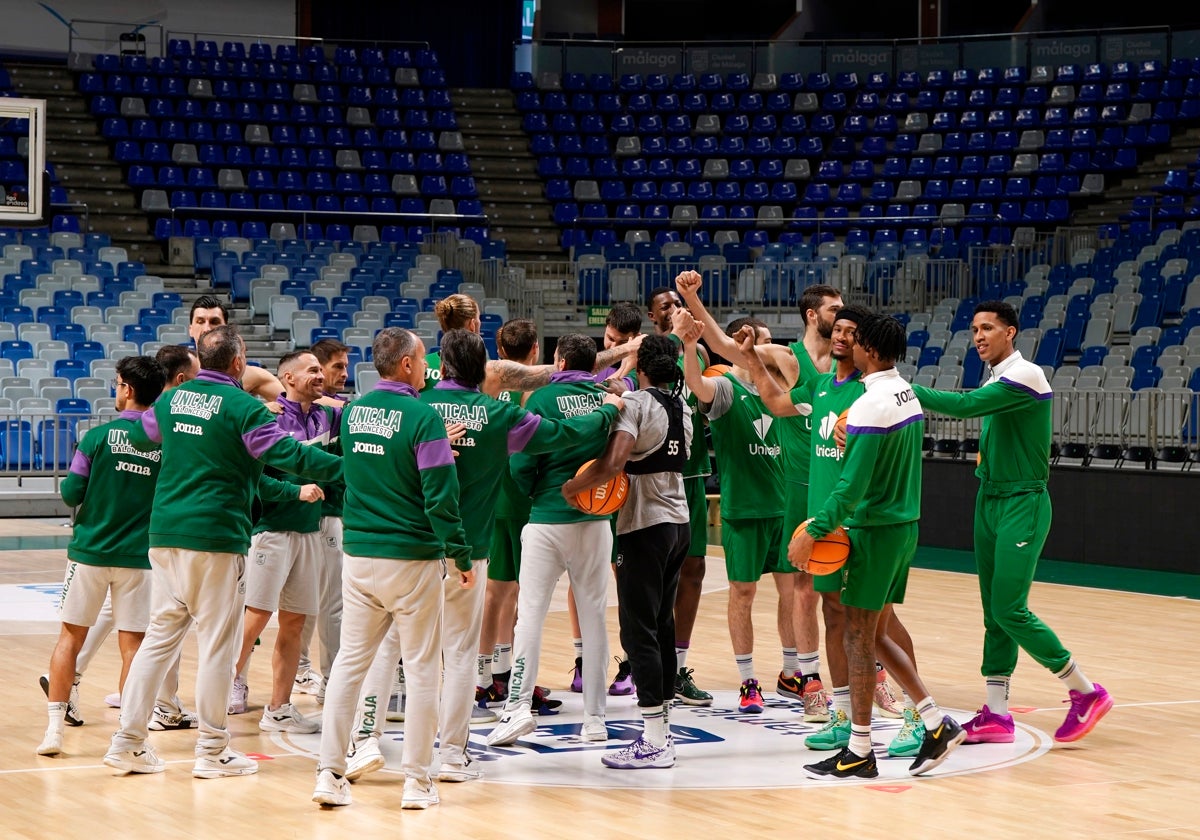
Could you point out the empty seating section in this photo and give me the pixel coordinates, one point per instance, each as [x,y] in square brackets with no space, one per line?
[305,130]
[884,187]
[988,151]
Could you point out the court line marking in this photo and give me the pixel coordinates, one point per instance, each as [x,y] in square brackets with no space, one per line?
[114,774]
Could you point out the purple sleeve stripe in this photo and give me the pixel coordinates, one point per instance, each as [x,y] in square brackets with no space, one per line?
[150,425]
[434,453]
[81,464]
[883,430]
[258,441]
[520,434]
[1027,389]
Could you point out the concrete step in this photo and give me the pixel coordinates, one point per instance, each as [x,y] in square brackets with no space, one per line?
[120,226]
[497,169]
[81,127]
[98,175]
[504,147]
[117,198]
[496,190]
[76,149]
[476,122]
[499,212]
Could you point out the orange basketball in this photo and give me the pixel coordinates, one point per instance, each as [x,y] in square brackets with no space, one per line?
[829,553]
[840,425]
[606,498]
[716,370]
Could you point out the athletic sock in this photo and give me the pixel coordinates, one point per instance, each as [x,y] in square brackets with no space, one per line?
[997,695]
[745,665]
[654,725]
[841,699]
[930,714]
[810,665]
[1074,679]
[578,648]
[860,740]
[501,659]
[790,662]
[482,671]
[57,713]
[681,650]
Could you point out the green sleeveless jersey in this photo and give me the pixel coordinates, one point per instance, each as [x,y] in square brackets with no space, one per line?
[511,503]
[828,397]
[795,433]
[746,440]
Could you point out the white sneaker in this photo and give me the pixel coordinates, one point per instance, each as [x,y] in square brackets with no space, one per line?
[163,719]
[141,760]
[287,718]
[225,763]
[331,789]
[417,796]
[113,701]
[395,709]
[641,754]
[465,769]
[308,683]
[482,714]
[594,729]
[238,695]
[51,743]
[364,758]
[512,726]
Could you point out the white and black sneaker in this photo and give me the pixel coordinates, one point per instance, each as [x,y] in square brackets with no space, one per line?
[162,719]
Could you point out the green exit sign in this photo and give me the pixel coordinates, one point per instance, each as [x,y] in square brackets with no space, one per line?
[596,316]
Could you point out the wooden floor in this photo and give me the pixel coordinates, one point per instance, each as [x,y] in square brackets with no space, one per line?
[1134,776]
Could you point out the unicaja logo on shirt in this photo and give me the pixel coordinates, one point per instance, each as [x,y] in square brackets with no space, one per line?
[826,432]
[382,422]
[761,426]
[195,404]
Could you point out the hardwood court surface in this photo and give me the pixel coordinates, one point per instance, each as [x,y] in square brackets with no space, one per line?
[1134,776]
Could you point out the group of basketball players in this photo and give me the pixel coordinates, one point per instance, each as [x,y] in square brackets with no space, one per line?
[470,475]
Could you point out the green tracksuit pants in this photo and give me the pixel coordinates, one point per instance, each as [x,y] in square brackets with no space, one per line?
[1010,530]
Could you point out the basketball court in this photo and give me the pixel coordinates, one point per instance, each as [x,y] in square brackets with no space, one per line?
[736,775]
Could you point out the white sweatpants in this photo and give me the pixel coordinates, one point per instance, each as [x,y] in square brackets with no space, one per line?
[460,644]
[168,692]
[327,623]
[210,588]
[375,593]
[582,550]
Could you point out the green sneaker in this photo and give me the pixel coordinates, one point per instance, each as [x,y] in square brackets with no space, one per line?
[834,735]
[687,692]
[908,740]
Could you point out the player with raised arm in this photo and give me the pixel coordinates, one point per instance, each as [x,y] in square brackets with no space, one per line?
[747,446]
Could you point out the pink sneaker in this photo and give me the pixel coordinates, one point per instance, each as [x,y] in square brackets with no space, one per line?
[1085,712]
[989,728]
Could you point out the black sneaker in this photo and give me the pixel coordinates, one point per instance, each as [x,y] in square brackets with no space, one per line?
[938,744]
[846,765]
[72,717]
[542,705]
